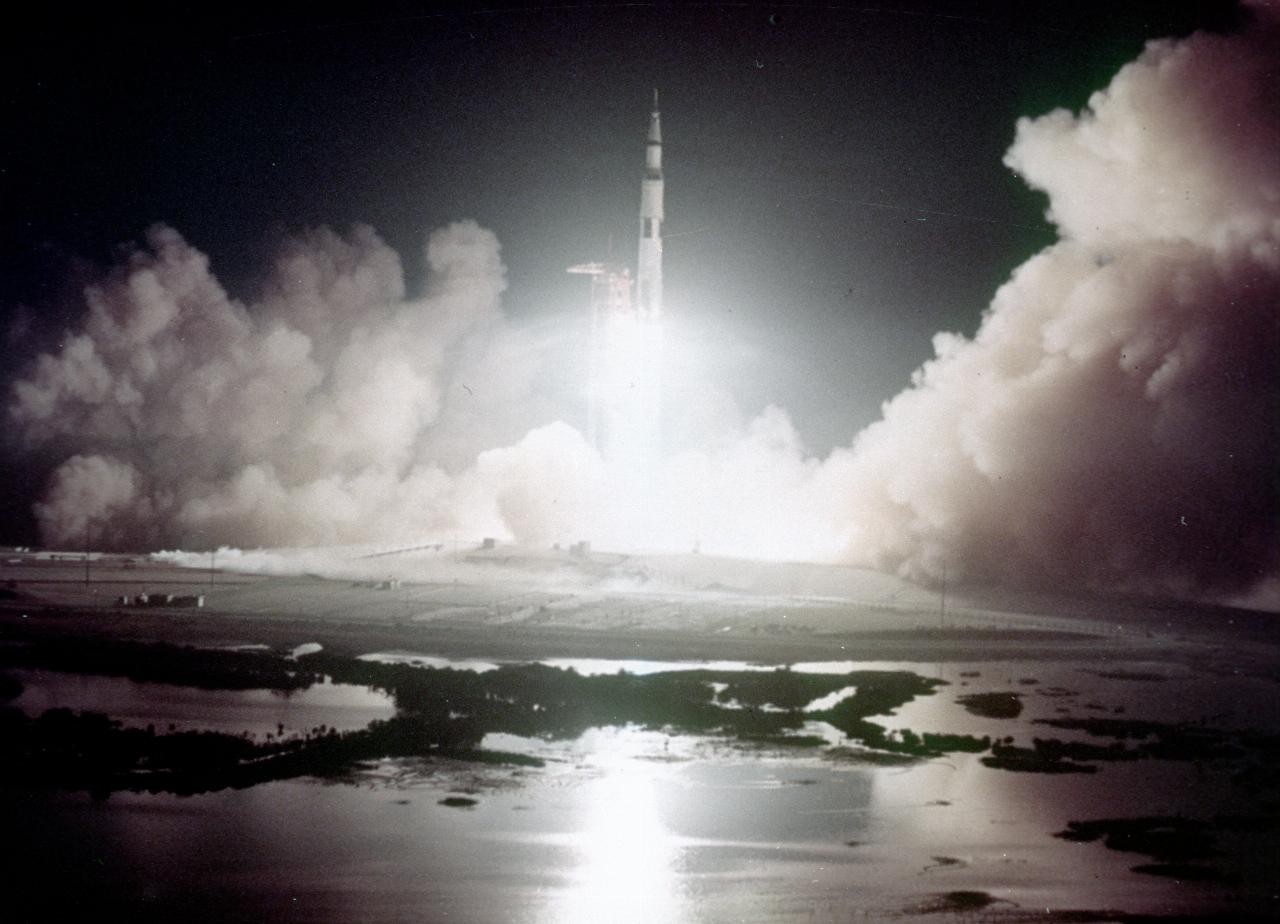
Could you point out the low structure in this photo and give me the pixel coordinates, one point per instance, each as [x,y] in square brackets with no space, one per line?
[150,600]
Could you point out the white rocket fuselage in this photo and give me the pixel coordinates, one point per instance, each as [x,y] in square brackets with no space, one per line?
[649,264]
[624,392]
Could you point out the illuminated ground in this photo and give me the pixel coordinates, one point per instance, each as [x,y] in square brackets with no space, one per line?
[507,604]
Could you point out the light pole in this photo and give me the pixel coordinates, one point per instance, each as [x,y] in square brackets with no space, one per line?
[942,604]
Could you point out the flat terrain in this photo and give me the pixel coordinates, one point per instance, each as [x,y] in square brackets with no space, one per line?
[507,606]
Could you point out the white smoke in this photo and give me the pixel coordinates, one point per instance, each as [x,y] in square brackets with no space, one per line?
[326,413]
[1112,423]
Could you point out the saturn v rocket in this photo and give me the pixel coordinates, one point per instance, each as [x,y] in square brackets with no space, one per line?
[625,363]
[649,263]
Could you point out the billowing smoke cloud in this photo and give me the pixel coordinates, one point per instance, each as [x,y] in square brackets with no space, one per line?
[329,412]
[1113,423]
[1114,420]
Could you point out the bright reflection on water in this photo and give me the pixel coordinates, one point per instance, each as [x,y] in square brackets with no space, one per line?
[594,667]
[625,855]
[831,700]
[422,660]
[614,821]
[626,824]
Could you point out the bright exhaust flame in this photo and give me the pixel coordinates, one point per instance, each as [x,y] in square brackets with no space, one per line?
[629,393]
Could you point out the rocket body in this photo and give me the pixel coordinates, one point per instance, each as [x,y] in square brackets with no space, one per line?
[649,263]
[624,393]
[634,444]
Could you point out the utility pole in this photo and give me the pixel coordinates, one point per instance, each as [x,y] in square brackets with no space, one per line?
[942,606]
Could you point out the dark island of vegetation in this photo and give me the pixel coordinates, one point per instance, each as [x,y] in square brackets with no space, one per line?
[203,668]
[1179,846]
[993,705]
[439,712]
[443,712]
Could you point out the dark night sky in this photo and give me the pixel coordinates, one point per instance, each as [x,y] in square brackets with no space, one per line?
[835,192]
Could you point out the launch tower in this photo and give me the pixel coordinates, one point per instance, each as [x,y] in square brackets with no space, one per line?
[610,301]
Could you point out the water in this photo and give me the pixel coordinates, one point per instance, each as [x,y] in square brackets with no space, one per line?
[831,700]
[260,712]
[414,659]
[626,831]
[624,824]
[305,648]
[595,667]
[1052,690]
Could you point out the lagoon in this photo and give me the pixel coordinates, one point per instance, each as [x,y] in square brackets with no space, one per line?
[342,706]
[623,823]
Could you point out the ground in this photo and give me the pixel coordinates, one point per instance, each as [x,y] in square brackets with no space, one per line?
[503,605]
[1132,692]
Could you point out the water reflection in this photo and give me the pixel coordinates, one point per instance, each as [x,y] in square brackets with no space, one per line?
[960,825]
[342,706]
[413,659]
[626,856]
[624,824]
[595,667]
[831,700]
[629,825]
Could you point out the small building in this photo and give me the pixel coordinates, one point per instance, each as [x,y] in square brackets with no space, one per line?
[195,601]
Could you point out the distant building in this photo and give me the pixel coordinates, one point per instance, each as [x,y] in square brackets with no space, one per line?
[150,600]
